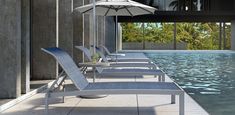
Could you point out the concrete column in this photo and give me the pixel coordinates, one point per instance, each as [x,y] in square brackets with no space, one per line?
[25,46]
[224,35]
[220,36]
[10,46]
[43,35]
[78,31]
[87,30]
[233,35]
[91,30]
[175,34]
[66,25]
[119,37]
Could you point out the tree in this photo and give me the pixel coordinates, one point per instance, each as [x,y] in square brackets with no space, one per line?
[178,5]
[198,36]
[131,32]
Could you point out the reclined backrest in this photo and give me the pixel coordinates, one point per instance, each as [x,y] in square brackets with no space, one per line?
[69,66]
[85,51]
[88,55]
[101,54]
[105,49]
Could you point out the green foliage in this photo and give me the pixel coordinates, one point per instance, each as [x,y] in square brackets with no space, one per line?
[132,32]
[95,58]
[198,36]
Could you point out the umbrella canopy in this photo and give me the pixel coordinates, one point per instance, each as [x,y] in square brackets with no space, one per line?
[117,8]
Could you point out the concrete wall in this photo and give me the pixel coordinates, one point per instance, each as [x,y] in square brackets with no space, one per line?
[233,35]
[83,30]
[153,46]
[25,46]
[66,25]
[47,29]
[10,46]
[101,30]
[43,35]
[132,46]
[78,31]
[110,34]
[87,30]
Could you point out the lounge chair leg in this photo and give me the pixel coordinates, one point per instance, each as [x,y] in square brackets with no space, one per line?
[172,99]
[159,78]
[63,91]
[46,103]
[163,78]
[84,70]
[155,67]
[181,104]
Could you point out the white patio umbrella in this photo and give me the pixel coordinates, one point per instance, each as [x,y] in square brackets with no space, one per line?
[116,8]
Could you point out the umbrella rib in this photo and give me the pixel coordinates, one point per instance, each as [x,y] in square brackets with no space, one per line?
[87,10]
[107,11]
[105,6]
[126,7]
[92,8]
[128,11]
[116,9]
[146,10]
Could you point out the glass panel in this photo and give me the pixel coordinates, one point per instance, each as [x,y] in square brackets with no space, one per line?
[198,36]
[132,36]
[189,36]
[147,36]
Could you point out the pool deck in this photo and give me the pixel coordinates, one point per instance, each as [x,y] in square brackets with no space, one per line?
[110,105]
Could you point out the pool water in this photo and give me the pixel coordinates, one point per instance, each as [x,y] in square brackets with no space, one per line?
[208,77]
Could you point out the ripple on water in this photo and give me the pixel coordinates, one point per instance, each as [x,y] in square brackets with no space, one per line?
[208,77]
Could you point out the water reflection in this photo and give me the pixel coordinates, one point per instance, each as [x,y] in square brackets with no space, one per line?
[207,77]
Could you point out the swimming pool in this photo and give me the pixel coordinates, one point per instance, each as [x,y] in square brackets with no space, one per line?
[207,76]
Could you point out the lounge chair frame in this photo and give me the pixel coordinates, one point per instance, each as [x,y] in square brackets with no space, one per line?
[85,88]
[126,72]
[114,57]
[147,62]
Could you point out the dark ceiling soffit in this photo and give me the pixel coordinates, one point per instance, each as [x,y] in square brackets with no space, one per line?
[161,16]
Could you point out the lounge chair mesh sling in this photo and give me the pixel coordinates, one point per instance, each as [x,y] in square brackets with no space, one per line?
[107,88]
[134,57]
[124,71]
[126,63]
[116,64]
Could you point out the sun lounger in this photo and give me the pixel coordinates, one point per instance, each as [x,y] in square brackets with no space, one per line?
[124,71]
[128,57]
[111,54]
[105,88]
[116,64]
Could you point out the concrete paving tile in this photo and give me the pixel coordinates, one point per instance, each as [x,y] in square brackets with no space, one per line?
[110,105]
[176,113]
[35,106]
[117,79]
[162,103]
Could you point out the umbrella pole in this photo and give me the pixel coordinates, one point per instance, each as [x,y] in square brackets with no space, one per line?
[116,36]
[94,28]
